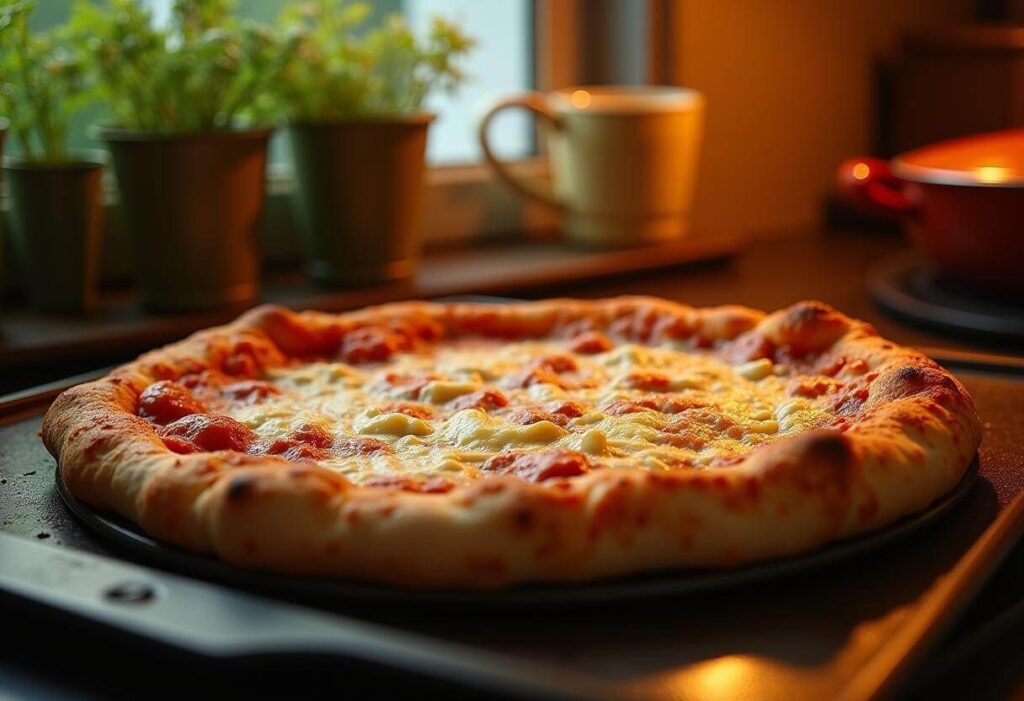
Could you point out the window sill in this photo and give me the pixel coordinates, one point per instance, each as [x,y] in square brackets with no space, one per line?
[120,329]
[461,205]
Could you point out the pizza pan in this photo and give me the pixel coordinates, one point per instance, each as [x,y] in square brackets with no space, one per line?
[127,538]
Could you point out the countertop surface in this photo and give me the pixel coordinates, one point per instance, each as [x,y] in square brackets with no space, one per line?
[799,628]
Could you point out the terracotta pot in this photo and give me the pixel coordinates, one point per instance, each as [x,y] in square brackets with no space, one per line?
[358,196]
[192,205]
[960,201]
[56,219]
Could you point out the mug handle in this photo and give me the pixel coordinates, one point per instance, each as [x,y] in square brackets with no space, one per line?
[869,184]
[536,103]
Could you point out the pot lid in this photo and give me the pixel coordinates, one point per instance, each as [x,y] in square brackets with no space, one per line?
[994,159]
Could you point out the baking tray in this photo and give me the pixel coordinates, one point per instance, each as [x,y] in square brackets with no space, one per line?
[786,637]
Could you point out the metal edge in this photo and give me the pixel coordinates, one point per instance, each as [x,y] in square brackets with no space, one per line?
[16,403]
[948,598]
[977,362]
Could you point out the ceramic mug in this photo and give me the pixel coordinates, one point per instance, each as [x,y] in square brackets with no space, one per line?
[623,159]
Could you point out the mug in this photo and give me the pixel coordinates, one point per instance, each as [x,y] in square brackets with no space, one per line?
[623,160]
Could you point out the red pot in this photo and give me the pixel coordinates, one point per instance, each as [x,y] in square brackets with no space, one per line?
[961,202]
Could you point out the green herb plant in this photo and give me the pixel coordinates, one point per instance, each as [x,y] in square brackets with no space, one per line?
[43,83]
[204,70]
[344,70]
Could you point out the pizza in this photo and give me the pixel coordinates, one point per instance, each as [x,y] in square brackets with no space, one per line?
[475,445]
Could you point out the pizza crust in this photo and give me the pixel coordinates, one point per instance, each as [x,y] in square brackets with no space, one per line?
[906,438]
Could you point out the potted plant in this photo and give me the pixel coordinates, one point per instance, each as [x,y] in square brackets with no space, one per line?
[4,124]
[353,104]
[55,214]
[187,143]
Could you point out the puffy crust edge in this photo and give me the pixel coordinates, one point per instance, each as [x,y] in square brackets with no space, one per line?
[911,442]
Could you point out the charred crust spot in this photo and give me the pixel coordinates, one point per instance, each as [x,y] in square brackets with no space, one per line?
[914,380]
[829,447]
[808,312]
[239,487]
[523,518]
[911,375]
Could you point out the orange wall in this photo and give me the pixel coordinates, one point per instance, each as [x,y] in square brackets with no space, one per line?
[789,94]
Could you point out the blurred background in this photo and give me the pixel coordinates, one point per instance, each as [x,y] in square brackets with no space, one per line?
[793,88]
[790,89]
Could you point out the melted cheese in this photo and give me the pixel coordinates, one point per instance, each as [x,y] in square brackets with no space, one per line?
[729,410]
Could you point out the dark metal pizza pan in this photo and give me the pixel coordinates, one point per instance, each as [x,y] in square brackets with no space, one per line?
[127,537]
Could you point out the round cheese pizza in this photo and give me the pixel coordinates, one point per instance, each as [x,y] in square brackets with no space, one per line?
[475,445]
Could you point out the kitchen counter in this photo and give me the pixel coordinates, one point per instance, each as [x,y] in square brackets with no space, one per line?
[835,604]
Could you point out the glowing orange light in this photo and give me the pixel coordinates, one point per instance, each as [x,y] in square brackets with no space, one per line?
[580,99]
[861,171]
[991,174]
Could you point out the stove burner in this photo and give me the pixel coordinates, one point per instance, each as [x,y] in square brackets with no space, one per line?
[910,288]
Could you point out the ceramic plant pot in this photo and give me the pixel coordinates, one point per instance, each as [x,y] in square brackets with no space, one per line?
[4,125]
[56,220]
[192,205]
[358,197]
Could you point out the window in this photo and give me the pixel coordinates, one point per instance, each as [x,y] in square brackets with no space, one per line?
[518,42]
[501,63]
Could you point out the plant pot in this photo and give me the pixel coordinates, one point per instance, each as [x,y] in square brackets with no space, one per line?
[192,205]
[358,196]
[56,221]
[4,124]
